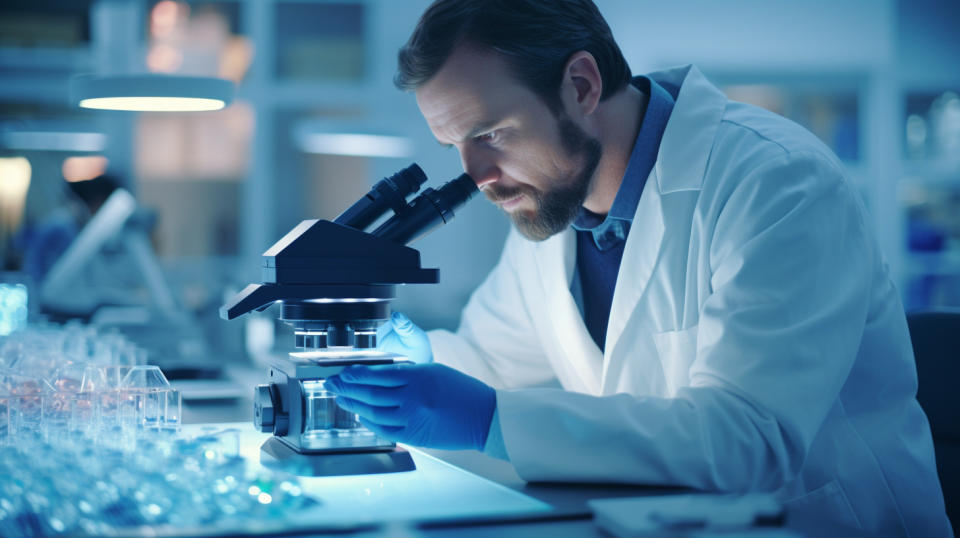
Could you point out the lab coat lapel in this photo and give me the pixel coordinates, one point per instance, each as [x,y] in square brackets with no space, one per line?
[680,167]
[556,258]
[640,256]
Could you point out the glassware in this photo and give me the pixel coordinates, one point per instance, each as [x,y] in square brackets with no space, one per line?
[173,410]
[90,443]
[13,307]
[144,397]
[5,420]
[25,399]
[327,425]
[347,423]
[321,407]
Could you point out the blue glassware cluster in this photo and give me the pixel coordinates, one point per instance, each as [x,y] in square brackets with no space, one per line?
[91,443]
[57,380]
[170,482]
[13,307]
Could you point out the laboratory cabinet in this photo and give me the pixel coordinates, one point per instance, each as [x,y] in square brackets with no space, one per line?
[930,196]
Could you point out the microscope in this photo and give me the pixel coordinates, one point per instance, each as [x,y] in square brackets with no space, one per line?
[335,281]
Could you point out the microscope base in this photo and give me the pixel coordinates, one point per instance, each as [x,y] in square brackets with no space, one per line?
[274,453]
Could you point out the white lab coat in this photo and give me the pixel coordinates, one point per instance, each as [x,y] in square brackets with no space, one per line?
[755,342]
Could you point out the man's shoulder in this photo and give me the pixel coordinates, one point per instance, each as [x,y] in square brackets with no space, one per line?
[750,132]
[755,143]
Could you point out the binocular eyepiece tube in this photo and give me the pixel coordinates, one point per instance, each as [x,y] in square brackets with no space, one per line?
[428,211]
[411,220]
[388,193]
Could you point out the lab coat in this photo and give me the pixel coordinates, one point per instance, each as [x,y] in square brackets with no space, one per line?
[755,342]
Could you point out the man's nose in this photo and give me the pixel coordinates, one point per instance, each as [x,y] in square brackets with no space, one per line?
[480,167]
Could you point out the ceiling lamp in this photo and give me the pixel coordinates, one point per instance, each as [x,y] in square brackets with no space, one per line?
[359,139]
[151,92]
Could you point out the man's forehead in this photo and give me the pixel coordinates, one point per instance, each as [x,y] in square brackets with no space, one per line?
[471,87]
[468,69]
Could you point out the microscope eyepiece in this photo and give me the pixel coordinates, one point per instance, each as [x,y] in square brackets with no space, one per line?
[335,278]
[428,211]
[388,193]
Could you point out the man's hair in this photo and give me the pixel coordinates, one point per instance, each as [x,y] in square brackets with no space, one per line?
[535,37]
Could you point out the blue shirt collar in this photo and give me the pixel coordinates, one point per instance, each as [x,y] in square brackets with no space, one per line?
[611,229]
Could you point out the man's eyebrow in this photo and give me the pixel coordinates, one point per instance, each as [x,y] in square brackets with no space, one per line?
[480,128]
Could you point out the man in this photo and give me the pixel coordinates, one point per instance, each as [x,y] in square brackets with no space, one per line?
[697,275]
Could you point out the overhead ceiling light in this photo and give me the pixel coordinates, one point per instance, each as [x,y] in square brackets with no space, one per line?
[151,92]
[360,145]
[358,139]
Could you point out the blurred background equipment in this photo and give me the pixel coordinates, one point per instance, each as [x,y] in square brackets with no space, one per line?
[315,120]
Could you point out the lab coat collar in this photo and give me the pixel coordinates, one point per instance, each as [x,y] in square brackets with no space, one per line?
[689,136]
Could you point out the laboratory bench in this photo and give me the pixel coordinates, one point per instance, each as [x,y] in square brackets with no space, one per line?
[461,493]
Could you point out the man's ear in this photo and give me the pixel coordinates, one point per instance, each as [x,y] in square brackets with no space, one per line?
[582,84]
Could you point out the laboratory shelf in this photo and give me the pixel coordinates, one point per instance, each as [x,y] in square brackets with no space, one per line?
[936,172]
[46,58]
[288,94]
[828,103]
[37,88]
[321,41]
[945,263]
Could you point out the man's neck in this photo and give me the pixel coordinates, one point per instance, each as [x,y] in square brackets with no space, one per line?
[617,137]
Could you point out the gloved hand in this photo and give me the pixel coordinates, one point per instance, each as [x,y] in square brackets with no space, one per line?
[405,338]
[428,405]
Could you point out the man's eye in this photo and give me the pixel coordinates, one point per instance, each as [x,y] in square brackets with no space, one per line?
[492,136]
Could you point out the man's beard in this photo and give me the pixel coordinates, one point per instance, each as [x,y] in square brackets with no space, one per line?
[555,208]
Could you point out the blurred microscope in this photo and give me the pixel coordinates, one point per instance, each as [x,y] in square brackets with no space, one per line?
[335,282]
[110,276]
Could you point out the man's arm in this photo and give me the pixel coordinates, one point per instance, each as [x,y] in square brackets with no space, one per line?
[496,341]
[791,272]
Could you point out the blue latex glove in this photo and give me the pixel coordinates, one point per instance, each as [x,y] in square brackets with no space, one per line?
[402,337]
[428,405]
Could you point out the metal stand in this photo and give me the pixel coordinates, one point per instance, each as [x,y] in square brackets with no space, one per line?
[274,453]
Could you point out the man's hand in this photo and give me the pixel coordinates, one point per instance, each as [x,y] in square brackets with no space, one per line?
[405,338]
[428,405]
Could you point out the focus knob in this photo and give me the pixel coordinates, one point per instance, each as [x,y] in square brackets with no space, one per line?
[264,408]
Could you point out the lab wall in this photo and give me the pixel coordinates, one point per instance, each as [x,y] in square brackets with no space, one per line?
[876,79]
